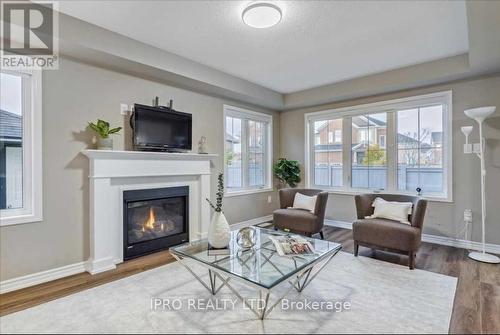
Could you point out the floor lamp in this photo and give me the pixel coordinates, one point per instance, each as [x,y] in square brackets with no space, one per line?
[479,114]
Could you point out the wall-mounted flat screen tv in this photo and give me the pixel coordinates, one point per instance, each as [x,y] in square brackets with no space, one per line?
[161,129]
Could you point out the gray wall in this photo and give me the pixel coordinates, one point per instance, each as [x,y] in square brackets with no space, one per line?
[72,96]
[443,219]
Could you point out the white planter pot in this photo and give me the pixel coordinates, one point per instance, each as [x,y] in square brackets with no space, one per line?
[104,143]
[219,232]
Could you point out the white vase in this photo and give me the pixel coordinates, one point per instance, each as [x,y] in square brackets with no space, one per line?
[104,143]
[219,232]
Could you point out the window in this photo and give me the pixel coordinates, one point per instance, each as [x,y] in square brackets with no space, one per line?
[393,146]
[248,148]
[420,149]
[327,154]
[20,147]
[369,160]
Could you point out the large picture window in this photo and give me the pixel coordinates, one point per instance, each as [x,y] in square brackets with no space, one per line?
[248,148]
[393,146]
[20,147]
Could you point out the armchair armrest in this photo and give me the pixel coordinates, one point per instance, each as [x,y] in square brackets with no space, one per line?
[418,214]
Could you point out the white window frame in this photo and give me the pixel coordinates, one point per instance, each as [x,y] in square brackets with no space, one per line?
[245,114]
[389,106]
[32,153]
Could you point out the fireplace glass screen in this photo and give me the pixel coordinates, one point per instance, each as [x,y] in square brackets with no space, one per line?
[148,220]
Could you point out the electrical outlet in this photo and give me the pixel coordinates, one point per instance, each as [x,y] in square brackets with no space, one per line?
[468,215]
[269,199]
[476,148]
[124,109]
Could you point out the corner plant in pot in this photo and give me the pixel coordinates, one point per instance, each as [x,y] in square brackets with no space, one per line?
[218,232]
[103,130]
[288,172]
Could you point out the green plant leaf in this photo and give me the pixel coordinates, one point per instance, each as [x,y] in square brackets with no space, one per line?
[115,130]
[287,171]
[102,129]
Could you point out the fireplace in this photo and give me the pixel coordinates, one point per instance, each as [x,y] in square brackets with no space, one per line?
[154,219]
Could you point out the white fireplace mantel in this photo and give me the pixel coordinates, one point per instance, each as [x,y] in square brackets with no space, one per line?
[112,172]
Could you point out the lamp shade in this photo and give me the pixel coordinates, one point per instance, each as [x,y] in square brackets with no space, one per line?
[466,130]
[480,113]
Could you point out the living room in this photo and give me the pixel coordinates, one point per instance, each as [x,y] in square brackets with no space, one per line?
[250,167]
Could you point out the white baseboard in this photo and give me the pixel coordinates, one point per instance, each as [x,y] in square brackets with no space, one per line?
[449,241]
[41,277]
[72,269]
[251,222]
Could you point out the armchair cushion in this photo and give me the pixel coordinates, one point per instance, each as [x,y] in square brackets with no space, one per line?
[297,220]
[387,233]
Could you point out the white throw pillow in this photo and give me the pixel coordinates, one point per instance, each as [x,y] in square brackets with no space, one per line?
[302,201]
[392,210]
[394,202]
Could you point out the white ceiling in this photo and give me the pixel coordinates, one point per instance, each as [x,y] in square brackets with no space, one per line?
[316,43]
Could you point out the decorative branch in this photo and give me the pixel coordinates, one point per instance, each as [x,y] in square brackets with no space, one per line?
[219,195]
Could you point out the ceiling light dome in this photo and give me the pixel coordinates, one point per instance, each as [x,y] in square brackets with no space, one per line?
[261,15]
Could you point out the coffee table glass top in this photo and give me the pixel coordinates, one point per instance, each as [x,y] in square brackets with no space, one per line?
[260,265]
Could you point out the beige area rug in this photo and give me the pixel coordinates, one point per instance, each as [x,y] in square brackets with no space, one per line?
[381,298]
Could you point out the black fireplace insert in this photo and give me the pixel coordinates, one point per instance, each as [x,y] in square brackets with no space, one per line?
[154,219]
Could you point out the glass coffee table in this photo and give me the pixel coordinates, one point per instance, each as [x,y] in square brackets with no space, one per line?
[260,267]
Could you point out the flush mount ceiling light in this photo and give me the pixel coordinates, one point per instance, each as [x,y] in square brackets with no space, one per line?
[261,15]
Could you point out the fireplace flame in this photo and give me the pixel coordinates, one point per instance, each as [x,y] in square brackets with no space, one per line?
[150,222]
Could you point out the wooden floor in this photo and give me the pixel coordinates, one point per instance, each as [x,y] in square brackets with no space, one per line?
[477,301]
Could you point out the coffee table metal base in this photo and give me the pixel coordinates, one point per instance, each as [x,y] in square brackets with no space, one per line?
[299,282]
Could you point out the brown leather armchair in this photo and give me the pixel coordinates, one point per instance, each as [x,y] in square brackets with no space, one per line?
[386,234]
[298,220]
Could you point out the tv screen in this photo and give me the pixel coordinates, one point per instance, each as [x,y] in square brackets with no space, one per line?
[161,128]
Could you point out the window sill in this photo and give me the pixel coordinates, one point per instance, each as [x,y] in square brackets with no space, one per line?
[248,192]
[19,219]
[357,192]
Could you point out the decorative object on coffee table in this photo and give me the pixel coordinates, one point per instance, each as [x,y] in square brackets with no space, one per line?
[288,172]
[218,232]
[480,114]
[246,237]
[103,130]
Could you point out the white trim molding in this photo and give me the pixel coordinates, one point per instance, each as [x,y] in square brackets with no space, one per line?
[41,277]
[32,152]
[245,116]
[434,239]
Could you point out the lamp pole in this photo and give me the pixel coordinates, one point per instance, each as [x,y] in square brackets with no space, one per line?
[479,114]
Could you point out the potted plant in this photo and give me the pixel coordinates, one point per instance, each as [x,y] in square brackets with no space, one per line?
[218,232]
[103,130]
[287,171]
